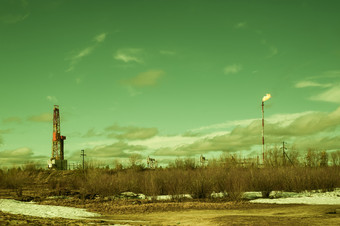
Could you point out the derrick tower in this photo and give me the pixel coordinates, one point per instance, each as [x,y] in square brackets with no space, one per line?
[57,159]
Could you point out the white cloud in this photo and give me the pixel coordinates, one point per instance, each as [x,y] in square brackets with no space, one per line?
[283,119]
[83,53]
[224,125]
[304,84]
[129,55]
[76,58]
[232,69]
[112,150]
[286,119]
[314,126]
[165,141]
[19,156]
[131,132]
[330,95]
[100,37]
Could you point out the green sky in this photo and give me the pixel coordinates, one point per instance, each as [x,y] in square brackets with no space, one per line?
[167,78]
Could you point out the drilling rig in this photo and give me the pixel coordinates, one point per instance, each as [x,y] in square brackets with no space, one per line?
[57,160]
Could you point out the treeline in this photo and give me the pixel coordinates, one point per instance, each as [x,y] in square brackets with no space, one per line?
[229,174]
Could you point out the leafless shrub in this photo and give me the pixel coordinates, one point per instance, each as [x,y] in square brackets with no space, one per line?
[200,183]
[227,174]
[335,156]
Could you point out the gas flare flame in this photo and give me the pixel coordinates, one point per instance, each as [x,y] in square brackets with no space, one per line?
[266,97]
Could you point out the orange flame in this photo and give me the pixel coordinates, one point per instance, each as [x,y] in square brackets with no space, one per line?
[266,97]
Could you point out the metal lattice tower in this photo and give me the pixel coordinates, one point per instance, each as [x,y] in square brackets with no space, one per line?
[57,140]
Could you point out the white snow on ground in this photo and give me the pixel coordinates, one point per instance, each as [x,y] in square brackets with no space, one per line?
[169,197]
[49,211]
[311,198]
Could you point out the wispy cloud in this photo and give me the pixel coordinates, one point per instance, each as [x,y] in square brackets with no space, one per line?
[119,149]
[16,11]
[19,156]
[304,84]
[283,119]
[328,74]
[330,95]
[158,142]
[332,91]
[91,133]
[232,69]
[52,99]
[100,38]
[13,18]
[131,132]
[78,56]
[44,117]
[129,55]
[244,138]
[148,78]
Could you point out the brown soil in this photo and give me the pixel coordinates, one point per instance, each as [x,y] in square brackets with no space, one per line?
[194,213]
[251,215]
[144,212]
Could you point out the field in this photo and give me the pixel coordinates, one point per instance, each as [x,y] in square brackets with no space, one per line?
[130,195]
[200,214]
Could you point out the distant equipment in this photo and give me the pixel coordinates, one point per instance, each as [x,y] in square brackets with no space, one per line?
[151,163]
[57,160]
[203,160]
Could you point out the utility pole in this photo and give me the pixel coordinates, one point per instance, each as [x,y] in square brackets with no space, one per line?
[284,154]
[83,155]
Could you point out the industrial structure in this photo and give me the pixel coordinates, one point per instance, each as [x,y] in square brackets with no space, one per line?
[57,160]
[265,98]
[203,160]
[151,163]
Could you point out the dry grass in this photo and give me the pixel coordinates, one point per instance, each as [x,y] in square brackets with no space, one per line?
[182,177]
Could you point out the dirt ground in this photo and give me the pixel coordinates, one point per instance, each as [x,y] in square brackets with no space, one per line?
[134,212]
[276,215]
[261,214]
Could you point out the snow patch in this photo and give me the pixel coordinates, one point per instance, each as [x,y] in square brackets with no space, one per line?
[307,197]
[49,211]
